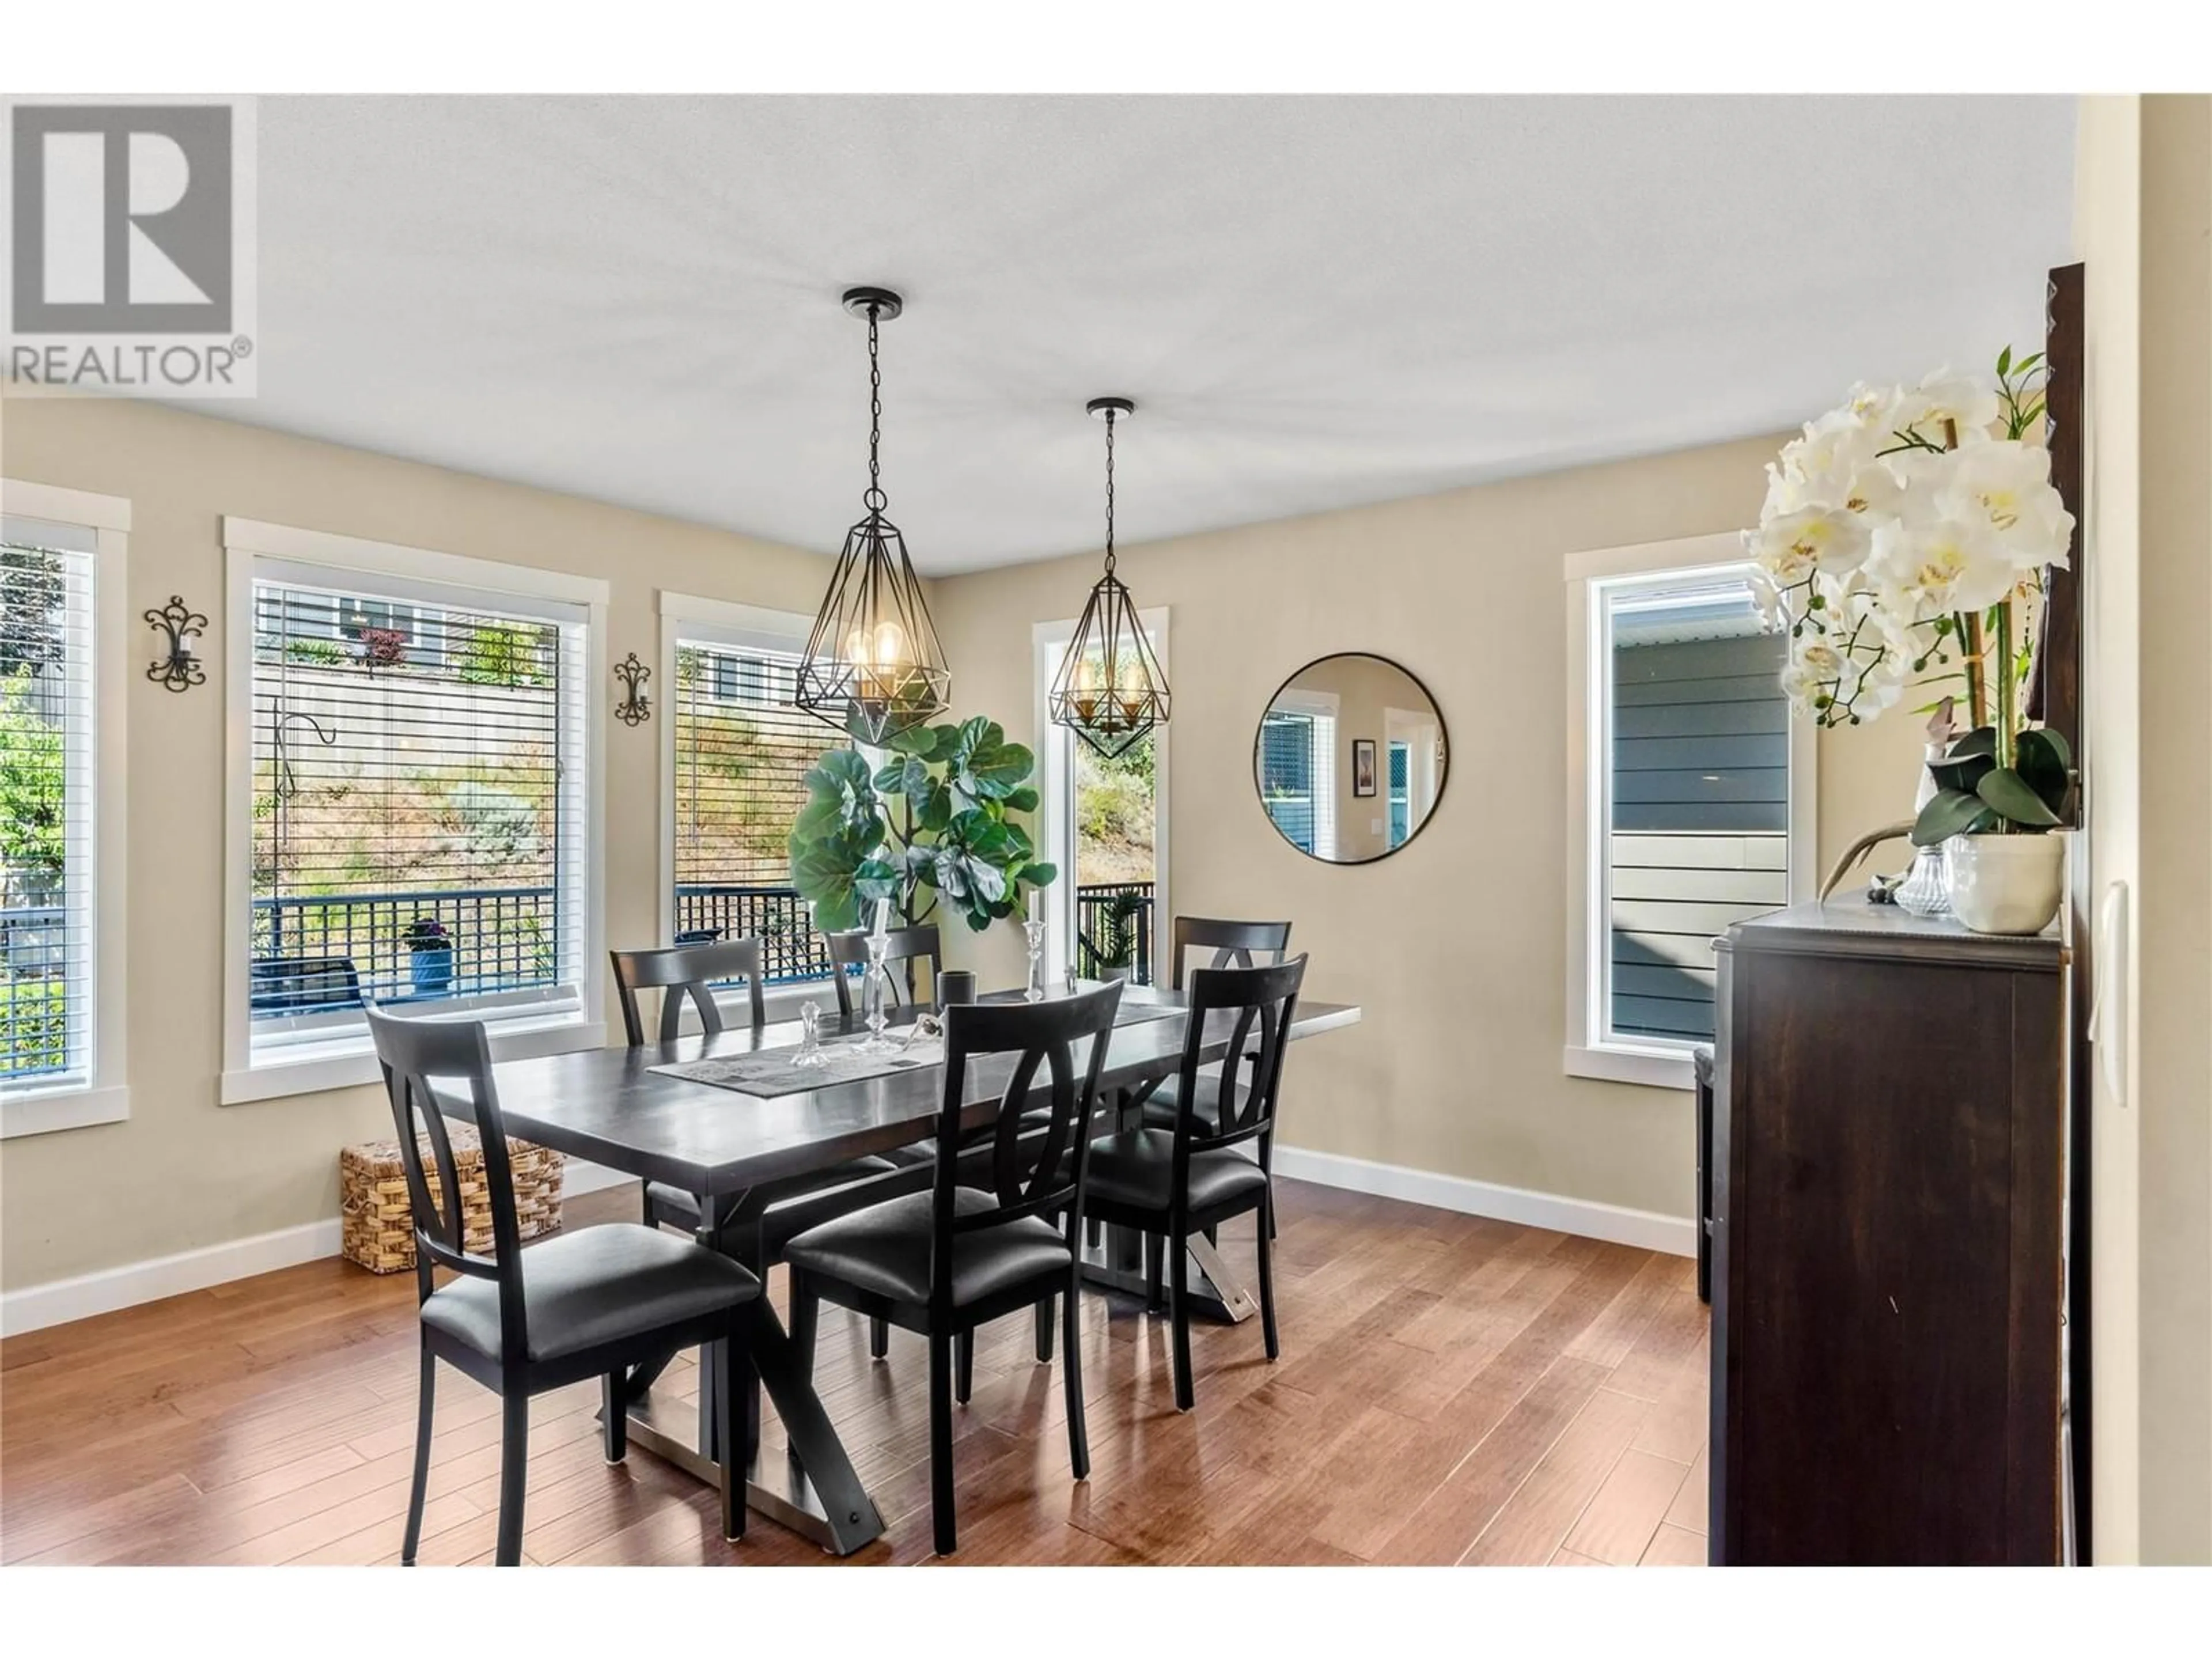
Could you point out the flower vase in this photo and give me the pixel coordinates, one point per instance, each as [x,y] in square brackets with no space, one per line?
[1926,889]
[431,969]
[2007,884]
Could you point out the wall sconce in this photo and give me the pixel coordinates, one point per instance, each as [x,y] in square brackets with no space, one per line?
[635,707]
[177,668]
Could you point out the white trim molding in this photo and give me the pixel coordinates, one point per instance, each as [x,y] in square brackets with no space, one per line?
[1643,1229]
[37,1307]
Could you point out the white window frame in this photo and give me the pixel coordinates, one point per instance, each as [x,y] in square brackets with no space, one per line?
[1589,1052]
[740,628]
[350,1060]
[1322,707]
[1055,819]
[103,756]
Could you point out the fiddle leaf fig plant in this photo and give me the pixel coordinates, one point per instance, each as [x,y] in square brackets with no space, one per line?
[934,824]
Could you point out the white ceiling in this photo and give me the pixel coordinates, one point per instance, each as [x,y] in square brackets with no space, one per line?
[1314,302]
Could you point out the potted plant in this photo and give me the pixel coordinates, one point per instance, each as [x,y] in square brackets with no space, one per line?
[1903,538]
[1116,954]
[934,824]
[430,955]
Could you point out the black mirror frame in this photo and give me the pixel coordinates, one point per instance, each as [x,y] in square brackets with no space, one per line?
[1443,777]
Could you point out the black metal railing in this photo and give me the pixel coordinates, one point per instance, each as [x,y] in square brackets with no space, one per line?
[1113,928]
[335,950]
[776,916]
[33,990]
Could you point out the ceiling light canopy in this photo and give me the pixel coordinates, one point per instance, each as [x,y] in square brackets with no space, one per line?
[1110,689]
[873,667]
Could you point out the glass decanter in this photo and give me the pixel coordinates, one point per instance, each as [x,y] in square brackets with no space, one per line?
[811,1051]
[1034,931]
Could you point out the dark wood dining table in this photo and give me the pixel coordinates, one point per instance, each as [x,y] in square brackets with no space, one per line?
[609,1107]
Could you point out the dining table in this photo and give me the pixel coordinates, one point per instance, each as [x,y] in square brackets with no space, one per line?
[619,1108]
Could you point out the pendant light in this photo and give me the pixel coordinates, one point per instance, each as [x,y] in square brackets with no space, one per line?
[873,667]
[1109,690]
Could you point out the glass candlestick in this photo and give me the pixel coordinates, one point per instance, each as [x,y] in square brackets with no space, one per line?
[1034,931]
[811,1051]
[875,992]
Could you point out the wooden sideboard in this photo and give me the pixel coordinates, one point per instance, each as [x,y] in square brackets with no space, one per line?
[1889,1183]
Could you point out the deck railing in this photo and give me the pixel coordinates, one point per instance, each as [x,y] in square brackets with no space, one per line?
[1113,928]
[33,990]
[776,916]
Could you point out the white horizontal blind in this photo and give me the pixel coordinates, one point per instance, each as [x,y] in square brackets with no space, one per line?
[48,714]
[418,802]
[742,752]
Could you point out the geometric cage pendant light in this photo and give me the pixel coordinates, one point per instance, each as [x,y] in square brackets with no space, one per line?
[873,667]
[1110,689]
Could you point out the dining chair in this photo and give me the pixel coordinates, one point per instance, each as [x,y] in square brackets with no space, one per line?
[907,945]
[589,1302]
[689,972]
[982,1242]
[1170,1183]
[1234,945]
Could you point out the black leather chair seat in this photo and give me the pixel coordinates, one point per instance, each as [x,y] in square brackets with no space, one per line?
[1137,1169]
[1163,1105]
[595,1285]
[678,1208]
[885,1249]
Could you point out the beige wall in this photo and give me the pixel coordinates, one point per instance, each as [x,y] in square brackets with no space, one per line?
[1365,688]
[185,1172]
[2144,228]
[1457,946]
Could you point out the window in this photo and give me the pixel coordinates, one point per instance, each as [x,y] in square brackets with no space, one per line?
[739,752]
[61,809]
[418,831]
[1401,791]
[1695,796]
[1297,770]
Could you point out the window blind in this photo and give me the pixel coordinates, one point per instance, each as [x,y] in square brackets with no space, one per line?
[418,802]
[743,750]
[46,805]
[1297,777]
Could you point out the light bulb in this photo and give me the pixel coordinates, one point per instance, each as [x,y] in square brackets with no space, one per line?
[890,644]
[856,648]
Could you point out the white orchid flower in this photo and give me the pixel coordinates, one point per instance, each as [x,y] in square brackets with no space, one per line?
[2006,485]
[1926,569]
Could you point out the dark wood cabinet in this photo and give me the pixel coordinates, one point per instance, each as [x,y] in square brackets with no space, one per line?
[1888,1198]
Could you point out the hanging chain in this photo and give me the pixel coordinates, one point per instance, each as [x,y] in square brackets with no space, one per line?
[875,499]
[1109,492]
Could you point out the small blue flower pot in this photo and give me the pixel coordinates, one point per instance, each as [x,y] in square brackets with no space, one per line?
[433,970]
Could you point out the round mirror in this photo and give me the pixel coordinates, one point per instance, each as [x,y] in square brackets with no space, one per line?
[1350,758]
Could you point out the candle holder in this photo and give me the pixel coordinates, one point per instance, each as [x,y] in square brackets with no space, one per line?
[177,668]
[636,705]
[875,990]
[1035,933]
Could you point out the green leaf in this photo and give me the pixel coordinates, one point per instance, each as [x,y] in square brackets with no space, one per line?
[1951,812]
[2027,362]
[2043,736]
[1982,740]
[1038,875]
[2042,764]
[1023,799]
[2007,794]
[2004,362]
[1960,774]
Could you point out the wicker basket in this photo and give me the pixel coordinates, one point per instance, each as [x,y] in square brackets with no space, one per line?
[377,1223]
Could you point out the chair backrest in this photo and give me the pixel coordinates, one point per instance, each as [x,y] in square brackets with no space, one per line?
[1231,942]
[901,944]
[411,1052]
[1265,999]
[682,970]
[1034,1169]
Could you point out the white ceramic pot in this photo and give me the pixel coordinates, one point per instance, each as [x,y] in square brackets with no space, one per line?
[2007,884]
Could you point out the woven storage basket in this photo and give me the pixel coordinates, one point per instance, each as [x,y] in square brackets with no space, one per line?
[377,1226]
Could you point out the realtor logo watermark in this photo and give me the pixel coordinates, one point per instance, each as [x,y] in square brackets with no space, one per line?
[130,266]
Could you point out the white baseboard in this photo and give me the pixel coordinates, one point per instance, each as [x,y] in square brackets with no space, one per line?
[36,1307]
[1645,1230]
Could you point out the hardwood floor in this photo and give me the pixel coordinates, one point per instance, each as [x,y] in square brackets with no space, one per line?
[1451,1390]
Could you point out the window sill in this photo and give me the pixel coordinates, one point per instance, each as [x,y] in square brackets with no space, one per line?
[38,1112]
[351,1062]
[1653,1068]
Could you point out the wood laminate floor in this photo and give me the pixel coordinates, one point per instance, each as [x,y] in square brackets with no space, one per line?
[1451,1390]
